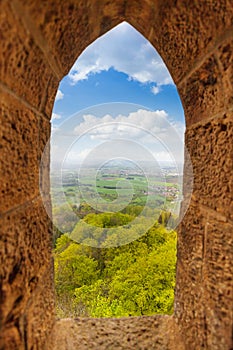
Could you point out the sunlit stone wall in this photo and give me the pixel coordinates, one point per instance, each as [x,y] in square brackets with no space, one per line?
[40,40]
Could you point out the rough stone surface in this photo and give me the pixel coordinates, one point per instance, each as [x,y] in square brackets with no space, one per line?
[204,289]
[39,319]
[25,264]
[141,333]
[206,83]
[217,283]
[225,55]
[49,97]
[69,27]
[39,43]
[22,67]
[44,158]
[185,27]
[18,158]
[211,149]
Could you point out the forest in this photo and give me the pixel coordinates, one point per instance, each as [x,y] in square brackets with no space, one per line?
[95,279]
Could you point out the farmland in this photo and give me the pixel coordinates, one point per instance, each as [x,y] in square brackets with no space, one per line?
[127,186]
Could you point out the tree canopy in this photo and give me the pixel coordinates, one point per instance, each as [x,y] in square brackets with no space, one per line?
[134,279]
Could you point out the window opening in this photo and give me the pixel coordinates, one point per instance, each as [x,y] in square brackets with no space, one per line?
[116,180]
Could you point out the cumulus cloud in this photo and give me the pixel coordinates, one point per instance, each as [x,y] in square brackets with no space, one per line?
[59,95]
[136,124]
[89,137]
[152,129]
[125,50]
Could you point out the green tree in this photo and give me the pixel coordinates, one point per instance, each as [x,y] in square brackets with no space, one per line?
[137,278]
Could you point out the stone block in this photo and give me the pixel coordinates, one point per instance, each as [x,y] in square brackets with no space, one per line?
[25,255]
[139,14]
[49,99]
[211,149]
[44,158]
[39,318]
[190,312]
[69,27]
[190,246]
[23,68]
[11,339]
[203,94]
[185,31]
[141,333]
[225,54]
[19,153]
[204,288]
[44,130]
[217,283]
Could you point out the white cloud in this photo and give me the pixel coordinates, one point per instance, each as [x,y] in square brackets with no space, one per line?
[59,95]
[125,50]
[56,116]
[155,90]
[152,129]
[94,138]
[135,124]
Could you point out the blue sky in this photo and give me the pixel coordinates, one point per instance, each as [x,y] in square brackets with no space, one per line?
[123,67]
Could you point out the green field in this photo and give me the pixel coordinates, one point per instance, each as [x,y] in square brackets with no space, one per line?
[108,187]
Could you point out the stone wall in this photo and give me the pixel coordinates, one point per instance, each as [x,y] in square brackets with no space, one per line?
[40,40]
